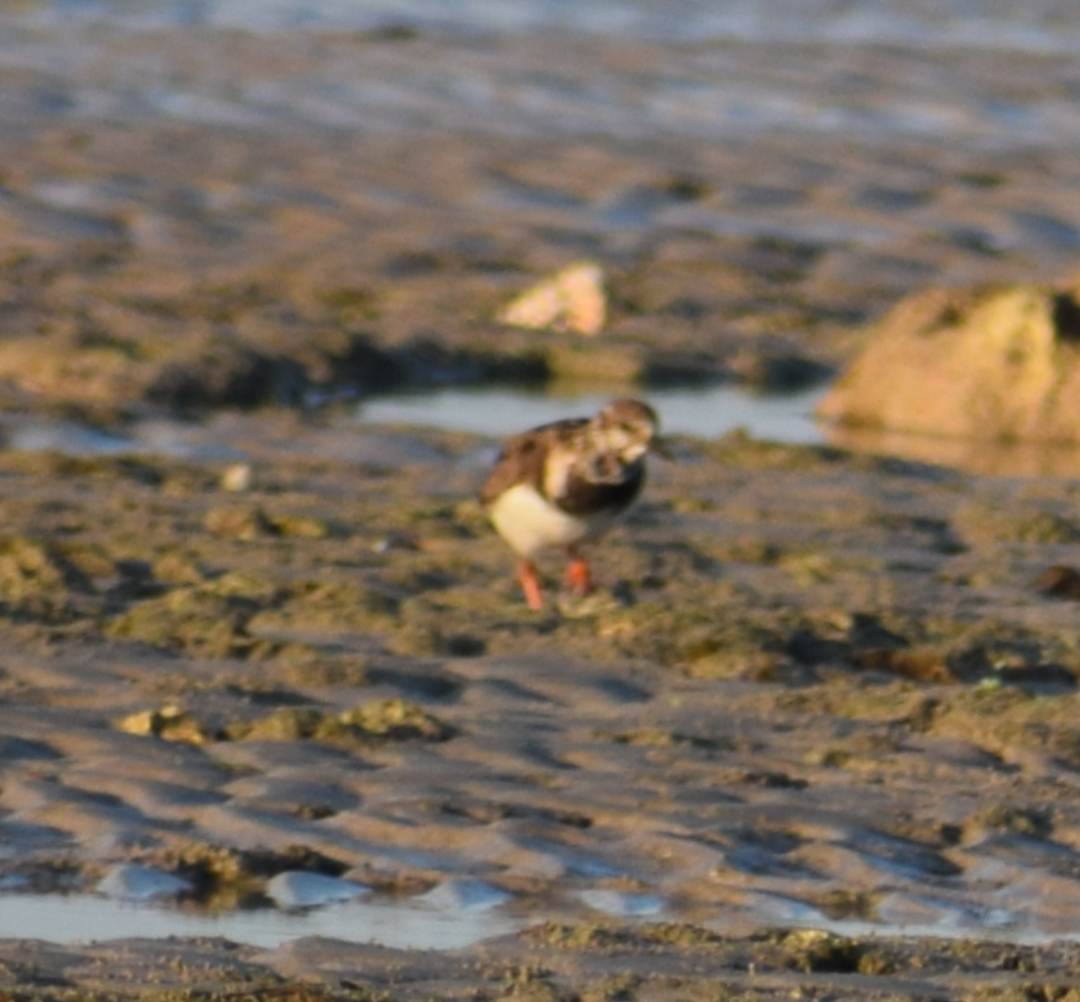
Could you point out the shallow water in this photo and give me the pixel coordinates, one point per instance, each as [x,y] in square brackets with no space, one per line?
[446,923]
[85,918]
[707,413]
[704,413]
[492,411]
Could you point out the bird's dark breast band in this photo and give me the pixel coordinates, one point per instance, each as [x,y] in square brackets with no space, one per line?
[585,497]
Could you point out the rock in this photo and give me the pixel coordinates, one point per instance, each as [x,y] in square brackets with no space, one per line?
[1059,581]
[571,300]
[247,522]
[237,478]
[169,723]
[999,363]
[37,581]
[209,619]
[367,723]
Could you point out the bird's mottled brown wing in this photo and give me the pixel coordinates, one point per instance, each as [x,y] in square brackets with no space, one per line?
[522,458]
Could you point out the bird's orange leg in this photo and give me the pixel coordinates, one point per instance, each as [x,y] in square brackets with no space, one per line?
[530,584]
[578,576]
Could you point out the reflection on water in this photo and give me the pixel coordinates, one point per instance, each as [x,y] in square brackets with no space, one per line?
[995,459]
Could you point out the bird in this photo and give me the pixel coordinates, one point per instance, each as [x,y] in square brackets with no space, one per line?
[564,484]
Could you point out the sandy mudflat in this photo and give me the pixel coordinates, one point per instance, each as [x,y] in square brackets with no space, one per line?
[817,688]
[180,230]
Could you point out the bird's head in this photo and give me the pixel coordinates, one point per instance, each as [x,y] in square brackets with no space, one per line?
[629,429]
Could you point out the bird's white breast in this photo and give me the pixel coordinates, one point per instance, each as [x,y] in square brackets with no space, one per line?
[530,523]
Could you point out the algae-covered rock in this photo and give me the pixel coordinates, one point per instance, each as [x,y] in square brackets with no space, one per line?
[247,522]
[175,567]
[610,938]
[224,878]
[366,724]
[285,724]
[1007,817]
[37,581]
[332,604]
[397,720]
[814,950]
[207,620]
[85,562]
[300,526]
[706,634]
[424,636]
[169,723]
[981,521]
[1059,581]
[1006,720]
[998,363]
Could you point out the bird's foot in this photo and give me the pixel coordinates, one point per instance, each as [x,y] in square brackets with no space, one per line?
[579,577]
[530,585]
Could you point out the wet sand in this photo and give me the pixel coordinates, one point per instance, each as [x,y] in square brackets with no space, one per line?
[816,688]
[189,249]
[552,962]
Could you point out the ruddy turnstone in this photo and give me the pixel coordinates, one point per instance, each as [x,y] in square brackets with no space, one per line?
[565,483]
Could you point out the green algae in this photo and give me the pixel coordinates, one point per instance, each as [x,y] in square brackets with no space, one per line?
[204,620]
[251,522]
[365,725]
[39,581]
[818,952]
[981,523]
[224,878]
[609,937]
[170,723]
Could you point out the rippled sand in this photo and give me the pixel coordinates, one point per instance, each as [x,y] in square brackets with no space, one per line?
[815,690]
